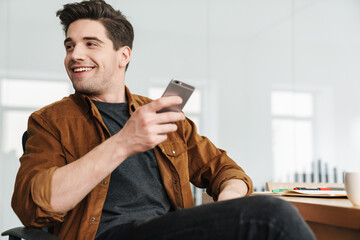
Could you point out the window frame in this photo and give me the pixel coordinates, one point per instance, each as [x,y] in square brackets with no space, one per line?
[7,108]
[293,176]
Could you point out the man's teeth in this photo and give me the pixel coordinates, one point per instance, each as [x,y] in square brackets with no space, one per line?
[83,69]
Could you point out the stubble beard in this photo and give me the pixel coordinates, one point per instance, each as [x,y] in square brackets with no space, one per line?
[92,88]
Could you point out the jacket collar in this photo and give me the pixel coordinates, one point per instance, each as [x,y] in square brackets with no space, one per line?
[86,105]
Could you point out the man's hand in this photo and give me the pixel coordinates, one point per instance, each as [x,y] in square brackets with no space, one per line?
[146,128]
[233,188]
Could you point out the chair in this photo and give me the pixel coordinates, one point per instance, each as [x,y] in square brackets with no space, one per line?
[28,233]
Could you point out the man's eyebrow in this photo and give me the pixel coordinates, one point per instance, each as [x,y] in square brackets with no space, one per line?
[93,38]
[67,40]
[84,38]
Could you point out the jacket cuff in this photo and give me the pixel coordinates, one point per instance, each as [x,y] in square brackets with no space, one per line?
[231,174]
[41,195]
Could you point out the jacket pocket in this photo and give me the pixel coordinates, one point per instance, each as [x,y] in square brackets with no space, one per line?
[173,149]
[176,152]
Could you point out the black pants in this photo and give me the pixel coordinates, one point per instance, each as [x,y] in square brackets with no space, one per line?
[255,217]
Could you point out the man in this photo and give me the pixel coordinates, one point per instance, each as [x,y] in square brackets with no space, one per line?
[104,164]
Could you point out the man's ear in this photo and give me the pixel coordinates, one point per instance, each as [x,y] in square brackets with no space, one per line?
[125,56]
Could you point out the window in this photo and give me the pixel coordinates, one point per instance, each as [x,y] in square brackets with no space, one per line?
[292,131]
[31,93]
[19,98]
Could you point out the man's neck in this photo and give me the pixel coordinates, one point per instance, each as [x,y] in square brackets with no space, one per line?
[113,96]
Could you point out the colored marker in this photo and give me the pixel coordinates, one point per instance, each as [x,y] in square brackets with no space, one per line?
[319,189]
[281,190]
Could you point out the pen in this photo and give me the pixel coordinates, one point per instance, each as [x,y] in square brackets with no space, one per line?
[320,189]
[304,188]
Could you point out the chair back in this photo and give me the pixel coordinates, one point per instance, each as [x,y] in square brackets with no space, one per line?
[24,139]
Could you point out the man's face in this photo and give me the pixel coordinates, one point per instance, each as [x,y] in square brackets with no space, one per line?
[91,61]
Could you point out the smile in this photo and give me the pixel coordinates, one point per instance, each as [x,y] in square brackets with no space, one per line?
[82,69]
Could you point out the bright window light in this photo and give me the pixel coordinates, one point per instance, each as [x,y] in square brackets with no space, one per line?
[292,131]
[16,125]
[32,93]
[292,147]
[286,103]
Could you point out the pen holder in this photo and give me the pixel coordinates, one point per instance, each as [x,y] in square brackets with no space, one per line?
[352,187]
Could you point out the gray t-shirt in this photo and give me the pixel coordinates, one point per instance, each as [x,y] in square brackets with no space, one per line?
[136,191]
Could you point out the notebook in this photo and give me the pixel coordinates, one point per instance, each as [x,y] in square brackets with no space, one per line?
[314,193]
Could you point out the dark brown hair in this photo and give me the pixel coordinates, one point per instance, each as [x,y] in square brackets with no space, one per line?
[119,29]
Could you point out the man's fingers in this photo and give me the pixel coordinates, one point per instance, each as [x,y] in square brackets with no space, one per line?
[157,134]
[166,128]
[146,128]
[169,117]
[165,102]
[150,111]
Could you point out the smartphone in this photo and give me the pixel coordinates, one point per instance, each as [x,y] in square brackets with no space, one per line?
[178,88]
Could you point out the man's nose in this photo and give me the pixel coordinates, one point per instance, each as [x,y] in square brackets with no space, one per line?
[78,53]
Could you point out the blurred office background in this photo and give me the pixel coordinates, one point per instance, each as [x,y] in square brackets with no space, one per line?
[278,82]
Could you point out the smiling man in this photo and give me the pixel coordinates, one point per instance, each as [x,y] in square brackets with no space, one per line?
[103,163]
[92,64]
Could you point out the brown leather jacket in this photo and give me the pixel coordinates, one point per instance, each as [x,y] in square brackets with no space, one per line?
[66,130]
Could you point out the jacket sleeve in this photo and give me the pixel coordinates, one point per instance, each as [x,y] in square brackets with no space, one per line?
[209,166]
[43,155]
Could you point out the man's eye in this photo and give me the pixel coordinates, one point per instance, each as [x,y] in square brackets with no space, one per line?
[68,47]
[91,44]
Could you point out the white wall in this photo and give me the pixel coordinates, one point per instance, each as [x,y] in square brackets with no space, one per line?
[238,50]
